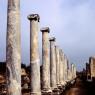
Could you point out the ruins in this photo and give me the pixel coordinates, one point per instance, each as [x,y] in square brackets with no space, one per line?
[13,48]
[51,78]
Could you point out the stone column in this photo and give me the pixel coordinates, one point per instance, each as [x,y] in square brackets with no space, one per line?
[74,71]
[52,63]
[57,65]
[45,60]
[65,67]
[68,70]
[61,68]
[13,48]
[34,55]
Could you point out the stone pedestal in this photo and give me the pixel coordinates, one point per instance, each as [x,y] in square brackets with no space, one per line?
[34,55]
[56,91]
[46,92]
[13,48]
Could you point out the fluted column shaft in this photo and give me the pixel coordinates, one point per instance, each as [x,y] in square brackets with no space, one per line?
[13,48]
[34,55]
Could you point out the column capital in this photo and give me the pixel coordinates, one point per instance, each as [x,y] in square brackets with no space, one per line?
[45,29]
[57,46]
[52,39]
[34,17]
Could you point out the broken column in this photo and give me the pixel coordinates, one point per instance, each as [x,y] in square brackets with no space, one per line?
[45,61]
[52,63]
[13,48]
[34,55]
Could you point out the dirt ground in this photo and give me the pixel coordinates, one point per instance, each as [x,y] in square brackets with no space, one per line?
[81,87]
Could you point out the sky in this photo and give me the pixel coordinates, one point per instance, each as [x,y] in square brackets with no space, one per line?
[70,21]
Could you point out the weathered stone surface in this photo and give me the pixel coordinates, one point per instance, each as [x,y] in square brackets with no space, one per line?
[57,64]
[87,68]
[72,70]
[13,50]
[63,61]
[75,71]
[65,68]
[92,66]
[61,78]
[45,60]
[34,55]
[52,63]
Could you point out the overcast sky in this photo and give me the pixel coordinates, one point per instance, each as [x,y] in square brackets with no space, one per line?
[72,22]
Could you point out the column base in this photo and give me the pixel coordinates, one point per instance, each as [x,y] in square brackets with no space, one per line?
[61,88]
[56,91]
[46,92]
[35,93]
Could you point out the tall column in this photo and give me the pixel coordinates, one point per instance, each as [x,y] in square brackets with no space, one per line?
[45,60]
[65,67]
[52,63]
[13,48]
[68,70]
[57,65]
[61,68]
[34,55]
[74,71]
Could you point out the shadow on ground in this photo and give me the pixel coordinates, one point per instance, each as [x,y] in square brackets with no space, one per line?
[81,87]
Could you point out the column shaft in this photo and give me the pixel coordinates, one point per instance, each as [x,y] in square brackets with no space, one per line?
[13,48]
[65,67]
[45,60]
[61,68]
[34,55]
[57,65]
[52,64]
